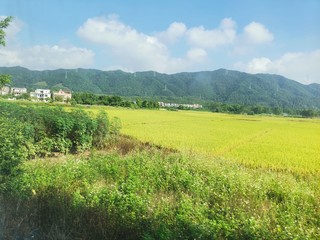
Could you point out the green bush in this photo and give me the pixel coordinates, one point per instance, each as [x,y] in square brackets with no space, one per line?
[52,129]
[115,126]
[34,130]
[13,147]
[101,133]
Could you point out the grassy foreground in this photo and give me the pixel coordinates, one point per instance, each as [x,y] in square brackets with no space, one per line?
[130,193]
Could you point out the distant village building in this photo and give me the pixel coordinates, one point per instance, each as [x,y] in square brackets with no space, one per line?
[41,94]
[4,90]
[176,105]
[18,91]
[64,94]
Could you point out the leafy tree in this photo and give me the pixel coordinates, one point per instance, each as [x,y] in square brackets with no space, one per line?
[25,96]
[58,99]
[73,102]
[115,126]
[4,79]
[277,110]
[139,102]
[4,24]
[102,130]
[308,113]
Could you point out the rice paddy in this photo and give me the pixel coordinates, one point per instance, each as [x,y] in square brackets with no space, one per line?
[278,143]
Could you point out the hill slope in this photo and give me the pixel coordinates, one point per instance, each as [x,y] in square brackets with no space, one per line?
[219,85]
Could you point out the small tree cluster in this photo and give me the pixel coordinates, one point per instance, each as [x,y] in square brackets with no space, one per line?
[94,99]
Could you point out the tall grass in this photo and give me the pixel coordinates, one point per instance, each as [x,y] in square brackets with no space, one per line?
[159,194]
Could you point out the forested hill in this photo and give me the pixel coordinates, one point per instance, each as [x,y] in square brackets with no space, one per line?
[220,85]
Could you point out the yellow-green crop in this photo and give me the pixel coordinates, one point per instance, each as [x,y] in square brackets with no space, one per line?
[279,143]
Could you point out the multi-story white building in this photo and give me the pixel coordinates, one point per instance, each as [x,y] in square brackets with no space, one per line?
[41,94]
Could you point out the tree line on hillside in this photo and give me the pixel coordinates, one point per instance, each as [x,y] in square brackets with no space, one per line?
[259,109]
[95,99]
[221,85]
[117,101]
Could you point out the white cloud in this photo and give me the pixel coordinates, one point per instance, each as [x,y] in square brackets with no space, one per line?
[300,66]
[42,57]
[201,37]
[135,50]
[257,33]
[254,35]
[127,45]
[9,58]
[197,54]
[259,65]
[130,49]
[174,32]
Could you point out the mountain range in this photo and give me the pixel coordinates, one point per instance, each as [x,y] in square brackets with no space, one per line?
[220,85]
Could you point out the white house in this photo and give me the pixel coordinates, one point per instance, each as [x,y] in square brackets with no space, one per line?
[18,91]
[41,94]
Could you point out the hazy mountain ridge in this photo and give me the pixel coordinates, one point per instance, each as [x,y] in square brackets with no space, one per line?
[220,85]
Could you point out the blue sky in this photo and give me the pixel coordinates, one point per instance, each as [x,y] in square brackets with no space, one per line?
[268,36]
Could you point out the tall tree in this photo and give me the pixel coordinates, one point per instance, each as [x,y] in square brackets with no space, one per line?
[4,79]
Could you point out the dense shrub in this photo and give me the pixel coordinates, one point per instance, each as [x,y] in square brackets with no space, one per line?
[29,131]
[13,146]
[102,130]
